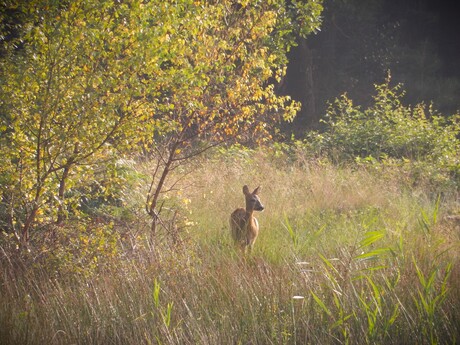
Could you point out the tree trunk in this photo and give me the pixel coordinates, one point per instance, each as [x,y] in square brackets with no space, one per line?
[309,101]
[28,223]
[152,208]
[63,182]
[62,186]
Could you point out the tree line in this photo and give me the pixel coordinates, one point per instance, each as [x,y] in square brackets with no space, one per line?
[360,41]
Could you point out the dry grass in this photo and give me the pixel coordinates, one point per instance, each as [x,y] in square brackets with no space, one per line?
[343,256]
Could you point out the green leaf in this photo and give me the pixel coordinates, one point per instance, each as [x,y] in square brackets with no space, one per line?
[373,254]
[371,237]
[320,303]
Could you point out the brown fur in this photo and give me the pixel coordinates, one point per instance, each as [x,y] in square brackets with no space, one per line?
[243,224]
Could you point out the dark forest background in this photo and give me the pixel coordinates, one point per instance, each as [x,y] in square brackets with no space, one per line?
[360,42]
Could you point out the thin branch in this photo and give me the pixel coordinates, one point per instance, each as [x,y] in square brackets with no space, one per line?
[149,194]
[202,150]
[182,177]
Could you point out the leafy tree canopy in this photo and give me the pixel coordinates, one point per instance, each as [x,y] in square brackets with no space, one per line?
[87,80]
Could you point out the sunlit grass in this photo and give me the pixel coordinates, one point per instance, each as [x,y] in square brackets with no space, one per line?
[343,256]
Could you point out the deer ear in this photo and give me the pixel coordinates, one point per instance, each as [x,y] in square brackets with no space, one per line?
[246,190]
[256,190]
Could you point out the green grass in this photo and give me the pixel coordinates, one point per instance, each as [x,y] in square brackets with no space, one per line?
[344,256]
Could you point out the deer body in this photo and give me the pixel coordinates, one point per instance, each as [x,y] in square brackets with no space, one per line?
[243,224]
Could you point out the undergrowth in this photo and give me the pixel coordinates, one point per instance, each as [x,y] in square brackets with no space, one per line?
[346,255]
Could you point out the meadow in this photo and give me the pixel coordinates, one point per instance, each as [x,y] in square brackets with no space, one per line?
[346,254]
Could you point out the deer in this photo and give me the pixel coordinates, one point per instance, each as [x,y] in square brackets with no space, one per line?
[243,224]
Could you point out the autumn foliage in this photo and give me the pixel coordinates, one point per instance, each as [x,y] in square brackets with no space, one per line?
[91,81]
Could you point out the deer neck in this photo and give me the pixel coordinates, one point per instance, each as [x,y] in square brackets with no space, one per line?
[249,213]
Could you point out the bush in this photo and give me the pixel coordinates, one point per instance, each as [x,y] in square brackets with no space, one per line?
[79,249]
[389,130]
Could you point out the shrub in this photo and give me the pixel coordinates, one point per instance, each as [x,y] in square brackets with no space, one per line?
[388,130]
[79,249]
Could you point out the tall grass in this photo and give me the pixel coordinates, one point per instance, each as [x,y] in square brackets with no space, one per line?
[344,256]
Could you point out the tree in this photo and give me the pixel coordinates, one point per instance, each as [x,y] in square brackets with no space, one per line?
[220,79]
[72,99]
[92,80]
